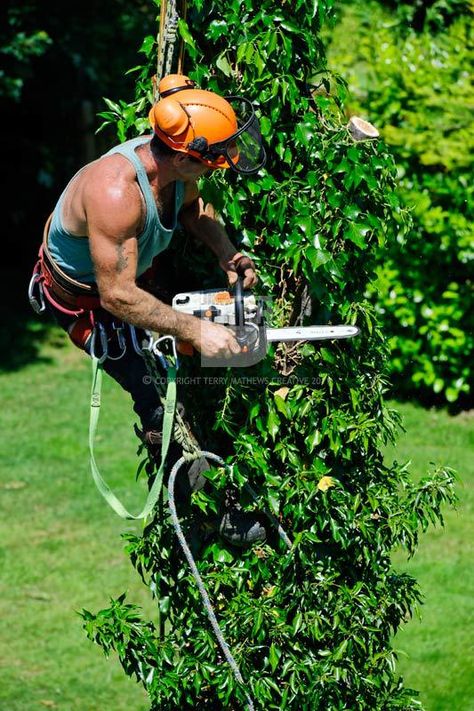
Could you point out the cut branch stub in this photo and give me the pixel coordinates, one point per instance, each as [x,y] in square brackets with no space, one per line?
[361,130]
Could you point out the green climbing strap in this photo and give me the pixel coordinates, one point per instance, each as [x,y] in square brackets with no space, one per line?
[168,417]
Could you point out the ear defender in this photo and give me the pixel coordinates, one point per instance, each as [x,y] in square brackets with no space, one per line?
[169,116]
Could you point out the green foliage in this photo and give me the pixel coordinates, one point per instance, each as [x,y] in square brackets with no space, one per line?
[68,555]
[78,40]
[432,15]
[419,92]
[311,628]
[129,118]
[17,48]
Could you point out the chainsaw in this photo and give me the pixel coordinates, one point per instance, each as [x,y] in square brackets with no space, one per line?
[247,315]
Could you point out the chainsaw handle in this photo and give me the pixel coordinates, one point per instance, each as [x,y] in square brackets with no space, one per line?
[239,306]
[241,335]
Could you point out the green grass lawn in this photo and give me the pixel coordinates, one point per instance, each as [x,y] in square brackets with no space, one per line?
[60,544]
[437,654]
[60,547]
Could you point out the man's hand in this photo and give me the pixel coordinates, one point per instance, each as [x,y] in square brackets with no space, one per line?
[214,340]
[241,266]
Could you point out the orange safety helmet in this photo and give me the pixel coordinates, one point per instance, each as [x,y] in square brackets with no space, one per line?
[205,125]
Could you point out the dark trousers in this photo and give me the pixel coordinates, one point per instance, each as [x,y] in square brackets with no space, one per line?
[129,370]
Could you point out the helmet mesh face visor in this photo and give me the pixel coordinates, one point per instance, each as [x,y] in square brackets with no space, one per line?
[243,151]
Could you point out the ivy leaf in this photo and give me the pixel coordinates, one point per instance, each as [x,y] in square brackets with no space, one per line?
[274,656]
[221,555]
[185,34]
[223,64]
[273,424]
[147,45]
[281,406]
[313,440]
[317,257]
[350,211]
[356,233]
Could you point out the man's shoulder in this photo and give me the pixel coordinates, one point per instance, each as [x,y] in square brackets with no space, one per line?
[111,167]
[110,188]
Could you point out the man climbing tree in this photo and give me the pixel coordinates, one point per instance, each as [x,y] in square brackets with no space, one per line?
[310,620]
[98,268]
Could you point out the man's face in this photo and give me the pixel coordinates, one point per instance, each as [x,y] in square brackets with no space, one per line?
[189,168]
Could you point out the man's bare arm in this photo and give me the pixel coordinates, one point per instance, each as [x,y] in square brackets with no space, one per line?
[114,222]
[201,222]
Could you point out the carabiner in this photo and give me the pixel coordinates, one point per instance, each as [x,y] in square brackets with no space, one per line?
[38,306]
[161,356]
[120,340]
[103,342]
[133,335]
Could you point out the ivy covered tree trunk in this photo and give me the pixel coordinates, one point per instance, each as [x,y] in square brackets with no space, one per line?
[310,627]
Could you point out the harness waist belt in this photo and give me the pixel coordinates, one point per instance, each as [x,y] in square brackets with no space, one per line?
[69,292]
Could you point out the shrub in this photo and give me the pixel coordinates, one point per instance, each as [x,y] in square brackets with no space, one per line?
[416,88]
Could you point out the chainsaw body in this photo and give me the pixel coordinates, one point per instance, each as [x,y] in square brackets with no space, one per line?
[246,315]
[242,312]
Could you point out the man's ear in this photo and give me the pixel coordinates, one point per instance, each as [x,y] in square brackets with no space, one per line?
[180,157]
[181,161]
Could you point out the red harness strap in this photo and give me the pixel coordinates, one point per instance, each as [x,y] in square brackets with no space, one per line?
[64,293]
[65,299]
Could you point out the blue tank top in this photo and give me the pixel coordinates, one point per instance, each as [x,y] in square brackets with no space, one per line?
[72,253]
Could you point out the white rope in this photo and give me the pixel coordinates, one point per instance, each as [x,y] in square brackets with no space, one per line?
[202,589]
[195,572]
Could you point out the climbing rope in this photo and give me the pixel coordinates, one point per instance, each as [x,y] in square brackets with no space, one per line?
[197,577]
[194,569]
[166,42]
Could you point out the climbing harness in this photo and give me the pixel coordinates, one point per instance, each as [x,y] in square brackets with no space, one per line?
[50,283]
